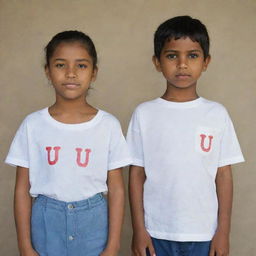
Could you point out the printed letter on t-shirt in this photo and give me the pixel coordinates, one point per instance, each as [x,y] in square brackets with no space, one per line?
[203,142]
[56,155]
[78,159]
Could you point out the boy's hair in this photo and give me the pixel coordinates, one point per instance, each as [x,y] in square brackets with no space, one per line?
[71,37]
[181,27]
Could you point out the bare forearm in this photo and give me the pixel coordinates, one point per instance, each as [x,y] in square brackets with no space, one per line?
[116,214]
[224,185]
[22,210]
[116,200]
[136,182]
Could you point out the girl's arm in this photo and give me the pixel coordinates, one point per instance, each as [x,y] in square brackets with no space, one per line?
[116,211]
[224,187]
[22,212]
[141,239]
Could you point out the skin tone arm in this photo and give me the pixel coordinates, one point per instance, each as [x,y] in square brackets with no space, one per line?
[224,186]
[22,212]
[141,239]
[116,211]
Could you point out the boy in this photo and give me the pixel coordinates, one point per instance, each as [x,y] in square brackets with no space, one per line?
[183,145]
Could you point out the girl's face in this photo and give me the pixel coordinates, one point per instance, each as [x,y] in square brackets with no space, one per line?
[71,71]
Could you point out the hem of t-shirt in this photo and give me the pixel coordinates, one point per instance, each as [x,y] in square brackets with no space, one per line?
[137,162]
[119,164]
[181,237]
[233,160]
[16,162]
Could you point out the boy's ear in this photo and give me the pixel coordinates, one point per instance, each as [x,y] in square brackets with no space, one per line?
[206,62]
[156,62]
[46,70]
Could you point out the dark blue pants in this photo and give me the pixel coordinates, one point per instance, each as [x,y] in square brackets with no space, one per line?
[173,248]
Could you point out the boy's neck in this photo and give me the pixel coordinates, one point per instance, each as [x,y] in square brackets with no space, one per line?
[180,95]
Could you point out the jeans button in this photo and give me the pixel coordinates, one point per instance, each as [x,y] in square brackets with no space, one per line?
[70,238]
[70,206]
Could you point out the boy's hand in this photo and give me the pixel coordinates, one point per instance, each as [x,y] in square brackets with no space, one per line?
[109,252]
[220,244]
[140,241]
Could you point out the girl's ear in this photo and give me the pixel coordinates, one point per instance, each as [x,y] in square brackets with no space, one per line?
[94,73]
[156,62]
[206,62]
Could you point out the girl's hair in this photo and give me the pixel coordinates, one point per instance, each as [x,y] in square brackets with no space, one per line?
[71,37]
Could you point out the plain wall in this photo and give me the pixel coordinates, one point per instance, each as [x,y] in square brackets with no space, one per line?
[123,35]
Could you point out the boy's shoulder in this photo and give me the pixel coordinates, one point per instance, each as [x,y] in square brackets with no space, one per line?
[160,107]
[201,102]
[147,105]
[214,106]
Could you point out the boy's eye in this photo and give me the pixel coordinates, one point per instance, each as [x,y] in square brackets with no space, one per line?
[59,65]
[171,56]
[82,66]
[193,56]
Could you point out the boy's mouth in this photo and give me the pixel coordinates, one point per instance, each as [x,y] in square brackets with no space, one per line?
[182,76]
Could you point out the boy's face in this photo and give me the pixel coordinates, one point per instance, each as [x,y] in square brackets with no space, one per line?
[181,62]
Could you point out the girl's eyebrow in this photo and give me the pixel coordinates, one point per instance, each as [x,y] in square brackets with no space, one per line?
[78,60]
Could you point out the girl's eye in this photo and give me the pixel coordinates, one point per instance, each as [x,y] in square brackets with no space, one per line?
[193,56]
[171,56]
[59,65]
[82,66]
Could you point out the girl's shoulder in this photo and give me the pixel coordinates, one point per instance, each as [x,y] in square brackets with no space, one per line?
[109,118]
[35,116]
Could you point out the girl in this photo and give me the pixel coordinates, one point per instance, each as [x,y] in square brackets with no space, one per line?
[67,155]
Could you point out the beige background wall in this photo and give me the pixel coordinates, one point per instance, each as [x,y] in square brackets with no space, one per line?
[123,32]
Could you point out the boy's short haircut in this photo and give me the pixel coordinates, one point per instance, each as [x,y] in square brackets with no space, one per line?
[181,27]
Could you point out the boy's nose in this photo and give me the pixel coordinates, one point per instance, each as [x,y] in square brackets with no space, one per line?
[182,63]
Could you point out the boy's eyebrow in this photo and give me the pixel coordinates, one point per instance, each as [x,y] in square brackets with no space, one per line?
[175,51]
[78,60]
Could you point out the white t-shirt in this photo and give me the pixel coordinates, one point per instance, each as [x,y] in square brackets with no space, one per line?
[181,145]
[68,162]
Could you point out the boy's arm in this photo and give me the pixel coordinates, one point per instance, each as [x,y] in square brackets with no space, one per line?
[115,210]
[22,212]
[141,239]
[224,187]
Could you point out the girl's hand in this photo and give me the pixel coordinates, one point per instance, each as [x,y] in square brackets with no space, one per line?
[220,244]
[141,240]
[29,252]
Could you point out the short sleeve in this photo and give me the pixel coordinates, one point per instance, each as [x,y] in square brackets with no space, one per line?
[18,153]
[134,141]
[230,152]
[119,155]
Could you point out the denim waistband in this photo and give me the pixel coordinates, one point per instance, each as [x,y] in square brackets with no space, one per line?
[86,203]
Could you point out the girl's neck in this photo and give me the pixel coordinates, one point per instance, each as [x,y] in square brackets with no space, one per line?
[72,112]
[71,106]
[180,95]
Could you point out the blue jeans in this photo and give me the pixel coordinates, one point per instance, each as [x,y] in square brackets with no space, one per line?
[69,229]
[173,248]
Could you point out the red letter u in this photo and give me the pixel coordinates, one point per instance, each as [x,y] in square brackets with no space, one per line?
[56,154]
[78,159]
[203,140]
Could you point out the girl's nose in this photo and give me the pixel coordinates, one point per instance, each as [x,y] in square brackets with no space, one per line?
[71,72]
